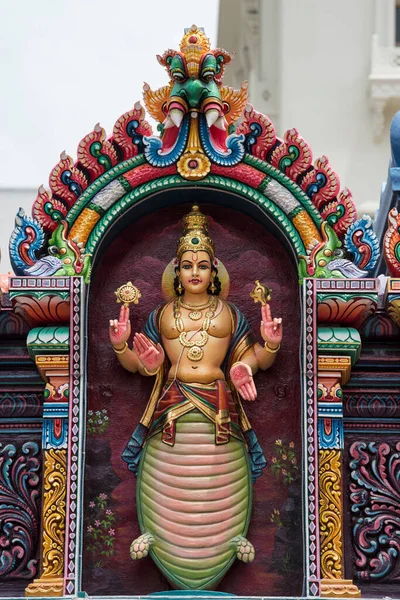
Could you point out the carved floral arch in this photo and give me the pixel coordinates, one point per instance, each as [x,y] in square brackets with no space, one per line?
[297,237]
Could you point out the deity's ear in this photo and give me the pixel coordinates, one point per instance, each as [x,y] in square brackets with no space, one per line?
[174,62]
[222,58]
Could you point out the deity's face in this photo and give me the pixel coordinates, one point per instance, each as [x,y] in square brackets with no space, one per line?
[195,271]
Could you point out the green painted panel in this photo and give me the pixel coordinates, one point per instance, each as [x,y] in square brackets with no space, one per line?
[343,341]
[52,340]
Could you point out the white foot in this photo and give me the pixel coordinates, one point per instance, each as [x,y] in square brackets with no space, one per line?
[140,547]
[244,549]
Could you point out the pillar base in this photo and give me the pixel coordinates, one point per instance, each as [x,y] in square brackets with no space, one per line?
[339,588]
[48,586]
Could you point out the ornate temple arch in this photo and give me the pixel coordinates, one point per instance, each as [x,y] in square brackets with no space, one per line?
[213,143]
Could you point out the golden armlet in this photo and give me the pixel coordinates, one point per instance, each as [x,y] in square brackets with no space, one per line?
[123,350]
[271,350]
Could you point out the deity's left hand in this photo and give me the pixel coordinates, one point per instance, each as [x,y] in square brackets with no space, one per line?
[242,378]
[151,357]
[271,329]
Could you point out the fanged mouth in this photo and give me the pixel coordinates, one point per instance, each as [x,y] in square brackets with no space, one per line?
[214,115]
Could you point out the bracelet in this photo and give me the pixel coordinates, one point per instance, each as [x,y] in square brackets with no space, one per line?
[122,350]
[148,372]
[271,350]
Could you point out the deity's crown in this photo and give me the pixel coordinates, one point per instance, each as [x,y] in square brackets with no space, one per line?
[195,234]
[193,45]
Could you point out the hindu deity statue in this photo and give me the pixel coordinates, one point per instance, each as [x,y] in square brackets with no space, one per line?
[194,452]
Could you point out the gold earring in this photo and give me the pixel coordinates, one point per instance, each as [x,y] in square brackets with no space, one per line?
[180,287]
[212,286]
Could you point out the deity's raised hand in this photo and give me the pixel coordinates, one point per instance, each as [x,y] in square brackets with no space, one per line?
[151,357]
[271,329]
[120,330]
[242,379]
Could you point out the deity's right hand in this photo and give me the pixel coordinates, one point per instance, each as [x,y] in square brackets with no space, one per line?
[151,357]
[120,330]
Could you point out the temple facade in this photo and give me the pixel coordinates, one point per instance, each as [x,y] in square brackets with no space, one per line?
[244,444]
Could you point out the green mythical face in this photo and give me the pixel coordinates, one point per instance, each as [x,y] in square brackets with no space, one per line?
[194,89]
[326,259]
[69,254]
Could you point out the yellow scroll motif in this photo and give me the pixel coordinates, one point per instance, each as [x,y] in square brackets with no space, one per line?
[55,481]
[330,524]
[394,311]
[330,518]
[53,535]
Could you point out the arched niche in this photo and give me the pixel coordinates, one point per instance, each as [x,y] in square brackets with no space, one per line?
[137,247]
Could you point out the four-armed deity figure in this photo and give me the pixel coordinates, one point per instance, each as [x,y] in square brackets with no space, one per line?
[194,451]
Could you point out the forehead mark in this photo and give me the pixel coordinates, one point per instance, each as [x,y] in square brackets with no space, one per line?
[195,258]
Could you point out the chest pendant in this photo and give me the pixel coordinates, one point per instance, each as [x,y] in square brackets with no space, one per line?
[195,315]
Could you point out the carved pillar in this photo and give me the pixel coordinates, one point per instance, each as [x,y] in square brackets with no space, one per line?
[54,369]
[333,372]
[393,300]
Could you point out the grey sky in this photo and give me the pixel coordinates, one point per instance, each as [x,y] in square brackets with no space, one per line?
[67,65]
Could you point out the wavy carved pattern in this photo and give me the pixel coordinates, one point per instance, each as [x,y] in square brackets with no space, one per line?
[54,482]
[18,404]
[375,510]
[352,312]
[46,309]
[12,325]
[19,510]
[330,514]
[374,405]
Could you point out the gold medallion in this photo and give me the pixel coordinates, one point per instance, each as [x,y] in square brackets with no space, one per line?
[128,294]
[195,315]
[195,353]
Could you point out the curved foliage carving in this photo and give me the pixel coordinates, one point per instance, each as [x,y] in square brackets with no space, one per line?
[19,510]
[375,510]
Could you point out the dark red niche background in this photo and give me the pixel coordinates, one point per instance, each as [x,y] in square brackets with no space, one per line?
[140,254]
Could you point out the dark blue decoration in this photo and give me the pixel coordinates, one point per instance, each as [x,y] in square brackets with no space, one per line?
[317,185]
[73,186]
[234,143]
[361,241]
[251,138]
[133,449]
[257,457]
[26,241]
[153,147]
[137,138]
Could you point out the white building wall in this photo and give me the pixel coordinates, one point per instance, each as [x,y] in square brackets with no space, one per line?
[312,73]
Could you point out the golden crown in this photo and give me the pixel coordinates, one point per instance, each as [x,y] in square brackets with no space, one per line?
[193,45]
[195,234]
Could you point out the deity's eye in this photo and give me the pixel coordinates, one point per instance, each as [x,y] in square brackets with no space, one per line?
[204,267]
[177,69]
[178,76]
[208,68]
[186,266]
[208,76]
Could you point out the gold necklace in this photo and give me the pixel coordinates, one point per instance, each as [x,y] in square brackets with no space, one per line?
[195,310]
[189,306]
[195,351]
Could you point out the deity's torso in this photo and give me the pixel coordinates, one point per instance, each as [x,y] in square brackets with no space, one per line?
[219,334]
